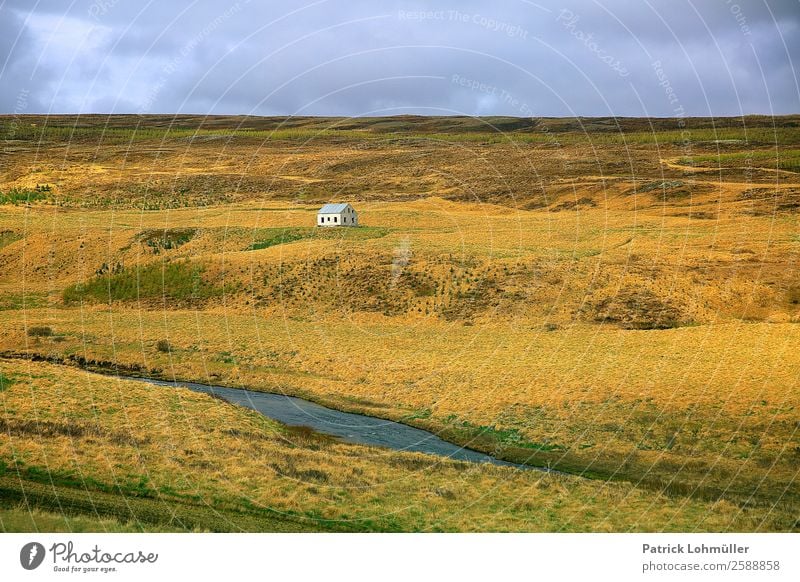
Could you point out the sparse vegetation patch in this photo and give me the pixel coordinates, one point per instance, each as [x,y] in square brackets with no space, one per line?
[270,237]
[179,281]
[167,239]
[17,196]
[40,331]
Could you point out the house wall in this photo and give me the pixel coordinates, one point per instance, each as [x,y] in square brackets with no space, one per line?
[327,220]
[322,219]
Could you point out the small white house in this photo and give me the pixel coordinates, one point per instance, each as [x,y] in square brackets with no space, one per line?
[337,215]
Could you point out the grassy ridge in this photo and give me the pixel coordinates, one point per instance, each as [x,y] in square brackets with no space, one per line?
[783,160]
[180,282]
[759,135]
[270,237]
[517,163]
[408,123]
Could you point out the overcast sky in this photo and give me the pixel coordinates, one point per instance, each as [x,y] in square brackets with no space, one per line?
[385,57]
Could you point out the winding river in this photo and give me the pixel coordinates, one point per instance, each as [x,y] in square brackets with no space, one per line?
[349,427]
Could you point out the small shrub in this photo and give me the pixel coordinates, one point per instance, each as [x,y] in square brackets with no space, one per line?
[633,308]
[794,295]
[164,346]
[167,239]
[40,331]
[444,493]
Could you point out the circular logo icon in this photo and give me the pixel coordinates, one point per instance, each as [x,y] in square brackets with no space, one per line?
[31,555]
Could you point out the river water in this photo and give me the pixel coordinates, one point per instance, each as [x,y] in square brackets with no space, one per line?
[349,427]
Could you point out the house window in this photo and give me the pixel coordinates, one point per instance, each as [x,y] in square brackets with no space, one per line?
[335,218]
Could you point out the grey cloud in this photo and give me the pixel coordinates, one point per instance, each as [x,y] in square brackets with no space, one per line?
[340,57]
[18,71]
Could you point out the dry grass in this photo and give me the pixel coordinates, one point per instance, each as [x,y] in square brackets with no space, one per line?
[455,261]
[22,519]
[679,410]
[610,310]
[181,447]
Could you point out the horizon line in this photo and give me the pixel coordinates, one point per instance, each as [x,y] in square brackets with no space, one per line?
[418,115]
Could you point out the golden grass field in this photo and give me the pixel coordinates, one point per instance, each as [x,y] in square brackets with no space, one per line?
[67,427]
[620,303]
